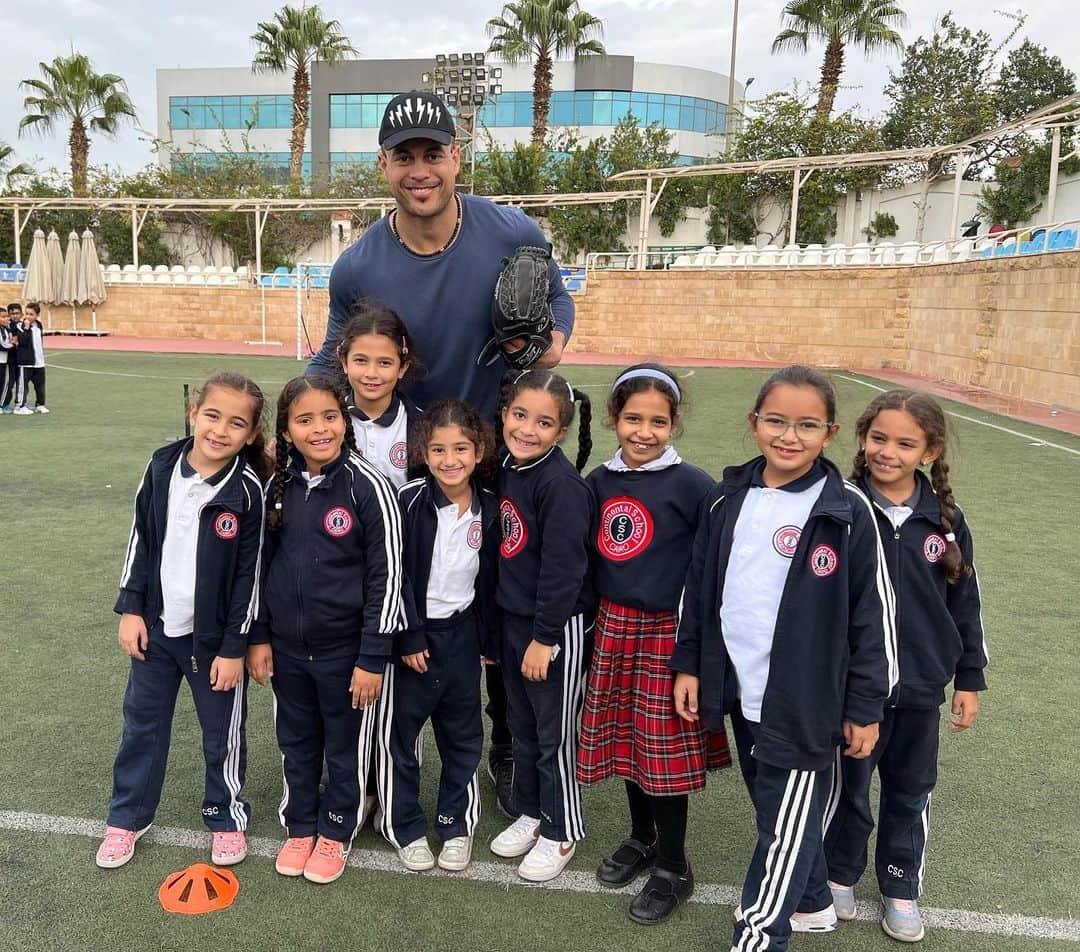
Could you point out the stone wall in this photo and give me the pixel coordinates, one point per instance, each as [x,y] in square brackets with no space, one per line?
[1010,325]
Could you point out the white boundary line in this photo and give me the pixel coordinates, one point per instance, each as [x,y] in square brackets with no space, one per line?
[504,874]
[960,416]
[117,373]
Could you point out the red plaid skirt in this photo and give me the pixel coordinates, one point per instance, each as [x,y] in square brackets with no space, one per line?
[630,728]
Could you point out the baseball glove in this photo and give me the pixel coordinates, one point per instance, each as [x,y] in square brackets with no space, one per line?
[520,310]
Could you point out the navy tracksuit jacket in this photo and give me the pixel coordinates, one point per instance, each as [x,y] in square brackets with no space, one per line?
[449,691]
[331,601]
[941,641]
[833,659]
[228,554]
[546,513]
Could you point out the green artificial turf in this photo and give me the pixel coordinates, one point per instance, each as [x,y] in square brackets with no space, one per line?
[1006,824]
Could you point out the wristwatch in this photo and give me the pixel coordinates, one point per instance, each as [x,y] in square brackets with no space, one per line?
[554,652]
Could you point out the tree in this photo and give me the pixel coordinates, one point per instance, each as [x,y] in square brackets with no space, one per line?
[70,90]
[787,124]
[541,31]
[520,171]
[837,24]
[1030,78]
[292,41]
[1021,186]
[11,172]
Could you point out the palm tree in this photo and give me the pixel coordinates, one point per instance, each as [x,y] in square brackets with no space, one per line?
[543,30]
[69,89]
[293,41]
[837,23]
[9,174]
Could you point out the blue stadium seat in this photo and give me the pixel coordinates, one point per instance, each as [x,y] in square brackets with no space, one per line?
[1064,239]
[1009,248]
[266,281]
[572,284]
[319,281]
[987,253]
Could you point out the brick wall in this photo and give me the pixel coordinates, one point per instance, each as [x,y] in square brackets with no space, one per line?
[1010,325]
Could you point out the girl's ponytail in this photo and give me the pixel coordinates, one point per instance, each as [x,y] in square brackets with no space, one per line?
[276,514]
[952,562]
[584,428]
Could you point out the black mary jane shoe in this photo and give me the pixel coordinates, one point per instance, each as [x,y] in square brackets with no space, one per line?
[613,874]
[661,895]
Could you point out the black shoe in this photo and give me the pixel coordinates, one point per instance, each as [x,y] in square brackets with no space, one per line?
[501,773]
[630,860]
[661,895]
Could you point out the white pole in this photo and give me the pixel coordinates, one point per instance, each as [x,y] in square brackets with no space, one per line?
[731,79]
[135,238]
[18,236]
[1051,192]
[299,310]
[643,224]
[961,167]
[796,184]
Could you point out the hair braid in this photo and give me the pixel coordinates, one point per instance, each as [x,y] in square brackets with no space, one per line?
[584,429]
[858,464]
[281,477]
[952,562]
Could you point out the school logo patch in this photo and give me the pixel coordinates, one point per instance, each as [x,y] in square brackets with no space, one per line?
[512,525]
[933,548]
[337,522]
[476,534]
[626,529]
[226,525]
[824,560]
[399,454]
[786,540]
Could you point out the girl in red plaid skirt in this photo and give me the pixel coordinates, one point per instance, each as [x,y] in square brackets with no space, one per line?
[648,502]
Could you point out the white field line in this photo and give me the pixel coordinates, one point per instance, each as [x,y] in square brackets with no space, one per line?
[1038,441]
[116,373]
[504,874]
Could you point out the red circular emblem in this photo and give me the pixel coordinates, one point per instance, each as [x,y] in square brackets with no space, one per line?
[626,529]
[226,525]
[933,548]
[824,560]
[399,454]
[786,540]
[514,532]
[476,534]
[337,522]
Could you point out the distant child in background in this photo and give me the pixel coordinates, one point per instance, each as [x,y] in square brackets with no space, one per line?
[330,607]
[376,354]
[787,628]
[546,511]
[8,367]
[649,501]
[30,355]
[938,613]
[187,601]
[451,556]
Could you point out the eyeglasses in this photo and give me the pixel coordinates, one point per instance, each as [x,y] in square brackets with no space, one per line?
[808,430]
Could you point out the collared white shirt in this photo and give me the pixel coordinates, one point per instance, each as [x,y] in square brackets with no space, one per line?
[668,458]
[455,560]
[188,494]
[897,515]
[766,536]
[383,442]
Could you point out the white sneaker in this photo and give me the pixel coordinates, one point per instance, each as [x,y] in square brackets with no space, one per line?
[824,920]
[417,856]
[22,411]
[546,860]
[518,838]
[456,854]
[41,409]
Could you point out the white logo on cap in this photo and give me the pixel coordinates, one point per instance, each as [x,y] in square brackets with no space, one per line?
[408,108]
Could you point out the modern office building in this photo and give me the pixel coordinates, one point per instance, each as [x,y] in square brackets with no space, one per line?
[208,111]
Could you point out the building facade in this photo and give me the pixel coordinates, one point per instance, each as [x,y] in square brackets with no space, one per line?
[205,112]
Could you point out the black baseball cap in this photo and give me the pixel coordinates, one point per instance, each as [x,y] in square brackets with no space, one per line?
[416,115]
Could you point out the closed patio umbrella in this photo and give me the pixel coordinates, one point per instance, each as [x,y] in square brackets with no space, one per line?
[91,283]
[39,285]
[69,293]
[56,267]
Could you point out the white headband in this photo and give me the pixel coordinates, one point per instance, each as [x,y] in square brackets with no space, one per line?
[647,372]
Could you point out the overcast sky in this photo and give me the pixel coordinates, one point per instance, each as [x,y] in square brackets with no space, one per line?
[136,38]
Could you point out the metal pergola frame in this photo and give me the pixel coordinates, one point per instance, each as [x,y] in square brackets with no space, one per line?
[23,207]
[1065,113]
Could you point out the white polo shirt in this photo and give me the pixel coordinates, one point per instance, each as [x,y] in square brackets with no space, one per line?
[455,560]
[383,442]
[766,537]
[188,494]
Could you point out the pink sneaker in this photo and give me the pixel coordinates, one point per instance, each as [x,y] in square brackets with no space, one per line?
[118,846]
[229,848]
[327,862]
[293,856]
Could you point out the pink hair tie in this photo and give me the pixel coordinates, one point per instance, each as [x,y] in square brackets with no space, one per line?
[950,536]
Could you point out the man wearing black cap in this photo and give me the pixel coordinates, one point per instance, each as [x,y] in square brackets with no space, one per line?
[435,260]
